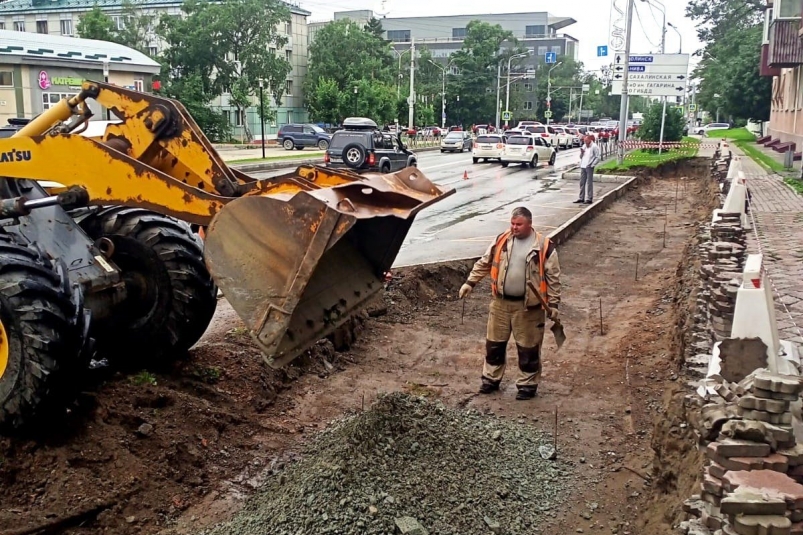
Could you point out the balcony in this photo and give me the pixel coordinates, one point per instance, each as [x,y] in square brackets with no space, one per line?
[785,48]
[764,66]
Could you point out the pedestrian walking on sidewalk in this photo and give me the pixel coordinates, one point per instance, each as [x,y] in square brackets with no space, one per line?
[589,158]
[515,258]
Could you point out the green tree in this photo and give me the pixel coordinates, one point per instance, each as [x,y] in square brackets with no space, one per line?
[374,27]
[95,24]
[729,68]
[191,90]
[226,47]
[361,60]
[650,129]
[477,62]
[136,26]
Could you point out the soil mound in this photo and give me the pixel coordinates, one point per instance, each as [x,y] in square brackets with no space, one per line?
[454,471]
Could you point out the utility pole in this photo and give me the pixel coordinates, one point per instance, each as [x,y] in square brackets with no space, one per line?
[411,100]
[262,116]
[620,153]
[549,92]
[498,103]
[580,112]
[443,101]
[571,100]
[507,97]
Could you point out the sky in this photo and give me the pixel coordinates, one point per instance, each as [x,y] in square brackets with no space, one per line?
[592,28]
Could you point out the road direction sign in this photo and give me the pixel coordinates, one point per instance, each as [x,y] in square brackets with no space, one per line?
[602,50]
[649,89]
[548,114]
[551,57]
[640,77]
[506,115]
[653,59]
[647,69]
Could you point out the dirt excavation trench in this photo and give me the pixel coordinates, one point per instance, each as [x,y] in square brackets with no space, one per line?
[391,432]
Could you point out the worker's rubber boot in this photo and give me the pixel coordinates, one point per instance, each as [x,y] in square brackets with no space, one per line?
[527,393]
[488,386]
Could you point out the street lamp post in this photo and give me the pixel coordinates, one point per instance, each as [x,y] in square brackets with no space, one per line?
[106,79]
[355,101]
[680,37]
[262,115]
[443,92]
[507,91]
[398,82]
[549,90]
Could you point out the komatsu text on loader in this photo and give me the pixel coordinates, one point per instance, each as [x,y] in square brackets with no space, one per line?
[107,261]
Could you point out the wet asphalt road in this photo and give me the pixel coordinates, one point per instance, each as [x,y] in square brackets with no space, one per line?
[463,224]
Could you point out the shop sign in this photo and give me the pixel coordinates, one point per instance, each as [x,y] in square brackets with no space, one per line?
[44,80]
[66,80]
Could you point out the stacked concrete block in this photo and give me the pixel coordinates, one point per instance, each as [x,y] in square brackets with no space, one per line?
[753,481]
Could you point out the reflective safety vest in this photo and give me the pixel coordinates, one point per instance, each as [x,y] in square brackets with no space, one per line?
[501,244]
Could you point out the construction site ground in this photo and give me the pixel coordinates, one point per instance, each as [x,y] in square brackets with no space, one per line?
[180,449]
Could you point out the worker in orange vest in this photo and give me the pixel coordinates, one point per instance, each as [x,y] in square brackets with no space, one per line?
[516,257]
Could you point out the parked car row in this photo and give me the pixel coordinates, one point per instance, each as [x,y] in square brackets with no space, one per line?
[520,147]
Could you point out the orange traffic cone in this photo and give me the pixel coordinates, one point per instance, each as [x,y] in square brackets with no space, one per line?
[465,175]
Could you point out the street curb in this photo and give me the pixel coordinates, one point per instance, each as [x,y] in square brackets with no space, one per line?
[291,163]
[561,234]
[569,228]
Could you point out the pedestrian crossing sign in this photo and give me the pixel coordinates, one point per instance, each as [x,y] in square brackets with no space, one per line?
[506,116]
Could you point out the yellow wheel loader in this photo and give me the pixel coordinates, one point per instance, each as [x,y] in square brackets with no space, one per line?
[106,260]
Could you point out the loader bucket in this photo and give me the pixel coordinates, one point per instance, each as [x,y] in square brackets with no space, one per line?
[300,255]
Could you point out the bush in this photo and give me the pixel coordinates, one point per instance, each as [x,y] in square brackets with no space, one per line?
[650,129]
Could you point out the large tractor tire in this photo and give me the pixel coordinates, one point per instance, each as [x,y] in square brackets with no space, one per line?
[170,296]
[42,335]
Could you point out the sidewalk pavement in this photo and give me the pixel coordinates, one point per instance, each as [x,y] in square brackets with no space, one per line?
[231,154]
[776,212]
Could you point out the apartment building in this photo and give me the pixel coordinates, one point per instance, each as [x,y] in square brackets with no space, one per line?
[782,58]
[61,18]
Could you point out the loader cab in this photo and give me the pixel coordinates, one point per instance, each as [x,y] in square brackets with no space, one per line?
[362,147]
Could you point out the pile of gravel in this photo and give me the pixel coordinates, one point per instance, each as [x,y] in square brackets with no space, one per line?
[454,471]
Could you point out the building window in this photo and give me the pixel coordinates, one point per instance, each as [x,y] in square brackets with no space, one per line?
[556,50]
[399,36]
[288,27]
[535,31]
[528,86]
[153,51]
[528,105]
[787,9]
[51,99]
[2,25]
[288,55]
[767,21]
[455,70]
[459,33]
[66,27]
[542,50]
[139,85]
[41,26]
[19,25]
[238,118]
[6,79]
[288,88]
[272,51]
[119,21]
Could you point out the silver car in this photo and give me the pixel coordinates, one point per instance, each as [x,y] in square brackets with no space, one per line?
[456,142]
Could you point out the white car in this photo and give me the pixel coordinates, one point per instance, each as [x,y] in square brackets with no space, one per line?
[527,150]
[545,132]
[703,130]
[523,124]
[488,147]
[563,139]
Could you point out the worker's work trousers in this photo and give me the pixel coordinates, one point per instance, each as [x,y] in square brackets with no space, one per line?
[527,327]
[586,184]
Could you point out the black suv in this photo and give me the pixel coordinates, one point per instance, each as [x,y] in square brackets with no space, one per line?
[298,136]
[361,146]
[13,125]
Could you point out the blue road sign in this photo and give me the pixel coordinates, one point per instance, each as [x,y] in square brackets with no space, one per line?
[602,50]
[636,68]
[551,57]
